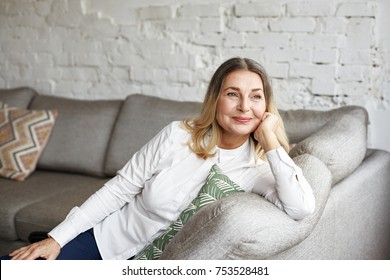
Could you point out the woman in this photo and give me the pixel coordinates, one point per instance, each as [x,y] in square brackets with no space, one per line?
[239,128]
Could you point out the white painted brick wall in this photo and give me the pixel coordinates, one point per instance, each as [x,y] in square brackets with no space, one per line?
[264,9]
[293,24]
[204,10]
[310,8]
[320,54]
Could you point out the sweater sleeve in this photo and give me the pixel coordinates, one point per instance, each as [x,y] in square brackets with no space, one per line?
[116,192]
[291,192]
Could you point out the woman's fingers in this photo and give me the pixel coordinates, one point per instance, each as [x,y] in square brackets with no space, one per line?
[46,249]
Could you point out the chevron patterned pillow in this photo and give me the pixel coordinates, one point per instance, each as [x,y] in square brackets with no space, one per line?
[217,186]
[23,136]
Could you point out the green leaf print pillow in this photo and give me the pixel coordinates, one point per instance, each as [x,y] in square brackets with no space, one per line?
[217,186]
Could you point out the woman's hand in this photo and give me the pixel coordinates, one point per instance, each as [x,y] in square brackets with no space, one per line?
[265,132]
[47,249]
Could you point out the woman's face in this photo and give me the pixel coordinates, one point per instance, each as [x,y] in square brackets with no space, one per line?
[240,107]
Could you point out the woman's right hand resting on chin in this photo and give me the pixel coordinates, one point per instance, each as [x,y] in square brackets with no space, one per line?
[47,249]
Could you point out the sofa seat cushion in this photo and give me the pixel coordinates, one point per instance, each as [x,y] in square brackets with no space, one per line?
[140,119]
[81,135]
[24,135]
[47,213]
[17,97]
[41,185]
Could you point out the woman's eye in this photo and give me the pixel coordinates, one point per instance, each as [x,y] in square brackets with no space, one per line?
[234,94]
[257,97]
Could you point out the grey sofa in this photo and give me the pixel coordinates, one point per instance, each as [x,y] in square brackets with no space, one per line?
[91,140]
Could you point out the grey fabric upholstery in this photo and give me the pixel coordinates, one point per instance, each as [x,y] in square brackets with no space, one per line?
[80,136]
[355,223]
[36,218]
[363,221]
[300,124]
[148,116]
[41,185]
[17,97]
[340,142]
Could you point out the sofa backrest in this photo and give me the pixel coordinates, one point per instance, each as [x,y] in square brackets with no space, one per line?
[80,136]
[98,137]
[17,97]
[302,123]
[140,119]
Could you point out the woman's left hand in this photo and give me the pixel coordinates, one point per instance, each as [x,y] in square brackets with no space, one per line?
[265,132]
[269,122]
[47,249]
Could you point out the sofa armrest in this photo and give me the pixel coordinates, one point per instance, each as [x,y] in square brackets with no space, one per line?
[246,226]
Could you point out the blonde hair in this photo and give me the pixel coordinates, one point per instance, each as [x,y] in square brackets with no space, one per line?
[205,130]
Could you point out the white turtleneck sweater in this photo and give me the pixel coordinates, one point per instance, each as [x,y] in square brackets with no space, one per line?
[161,179]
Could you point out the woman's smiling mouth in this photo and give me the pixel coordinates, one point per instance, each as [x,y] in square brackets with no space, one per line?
[242,120]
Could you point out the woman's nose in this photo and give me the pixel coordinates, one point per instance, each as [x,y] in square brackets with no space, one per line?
[243,105]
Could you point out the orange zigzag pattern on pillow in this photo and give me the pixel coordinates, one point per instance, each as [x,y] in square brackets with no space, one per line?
[23,136]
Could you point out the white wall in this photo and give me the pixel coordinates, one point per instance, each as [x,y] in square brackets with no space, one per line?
[320,54]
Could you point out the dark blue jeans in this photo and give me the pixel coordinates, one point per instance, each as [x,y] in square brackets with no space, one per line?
[83,247]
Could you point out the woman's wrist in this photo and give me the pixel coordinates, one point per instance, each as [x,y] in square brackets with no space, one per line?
[268,140]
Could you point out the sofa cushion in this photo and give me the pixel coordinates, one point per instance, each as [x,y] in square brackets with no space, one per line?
[24,135]
[48,212]
[341,143]
[17,97]
[140,119]
[80,137]
[40,185]
[217,186]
